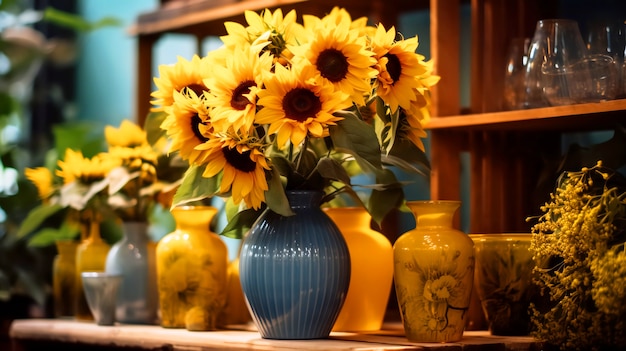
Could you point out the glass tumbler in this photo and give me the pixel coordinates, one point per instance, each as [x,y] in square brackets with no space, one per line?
[553,77]
[517,58]
[606,42]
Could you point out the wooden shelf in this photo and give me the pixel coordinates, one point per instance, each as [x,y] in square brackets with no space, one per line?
[34,334]
[590,116]
[208,16]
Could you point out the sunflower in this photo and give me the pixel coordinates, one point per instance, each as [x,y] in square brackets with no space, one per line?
[335,17]
[43,179]
[340,56]
[142,158]
[188,125]
[399,68]
[242,163]
[128,134]
[277,31]
[76,167]
[180,77]
[410,125]
[296,104]
[233,87]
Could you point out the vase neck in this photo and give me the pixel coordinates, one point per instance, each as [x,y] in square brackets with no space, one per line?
[299,199]
[433,213]
[135,231]
[350,217]
[66,247]
[192,217]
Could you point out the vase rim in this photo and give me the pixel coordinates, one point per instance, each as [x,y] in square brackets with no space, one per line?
[434,201]
[194,207]
[501,236]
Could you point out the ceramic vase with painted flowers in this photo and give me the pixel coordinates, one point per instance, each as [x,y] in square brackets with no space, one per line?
[192,271]
[434,274]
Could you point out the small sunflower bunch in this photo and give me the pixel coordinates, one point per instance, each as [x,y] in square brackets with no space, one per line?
[135,185]
[579,245]
[284,105]
[78,184]
[122,182]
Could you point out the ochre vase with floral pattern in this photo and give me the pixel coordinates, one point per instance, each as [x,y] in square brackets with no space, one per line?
[192,270]
[434,272]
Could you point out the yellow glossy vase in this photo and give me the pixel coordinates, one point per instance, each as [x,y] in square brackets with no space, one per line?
[371,277]
[434,272]
[91,256]
[235,312]
[192,269]
[64,278]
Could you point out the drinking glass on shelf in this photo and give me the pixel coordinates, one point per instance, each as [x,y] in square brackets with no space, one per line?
[551,78]
[515,69]
[606,38]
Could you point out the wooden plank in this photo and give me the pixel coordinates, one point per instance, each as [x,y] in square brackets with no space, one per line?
[155,337]
[144,77]
[70,332]
[445,155]
[477,55]
[444,47]
[589,116]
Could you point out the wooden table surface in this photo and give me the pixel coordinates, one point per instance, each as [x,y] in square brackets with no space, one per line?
[67,334]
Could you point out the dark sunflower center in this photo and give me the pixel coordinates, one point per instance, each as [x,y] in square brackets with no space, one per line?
[393,67]
[239,101]
[241,161]
[300,104]
[195,128]
[332,65]
[196,88]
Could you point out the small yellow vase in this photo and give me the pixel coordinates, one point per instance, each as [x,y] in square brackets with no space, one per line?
[235,311]
[64,278]
[371,277]
[192,268]
[434,273]
[91,256]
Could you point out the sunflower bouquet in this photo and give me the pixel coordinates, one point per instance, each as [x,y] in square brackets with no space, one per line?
[75,191]
[123,182]
[284,105]
[144,173]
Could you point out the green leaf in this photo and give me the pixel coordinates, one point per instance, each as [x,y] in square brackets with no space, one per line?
[406,156]
[77,23]
[7,104]
[381,202]
[48,236]
[239,225]
[195,187]
[357,138]
[152,126]
[331,169]
[33,284]
[275,196]
[85,136]
[36,217]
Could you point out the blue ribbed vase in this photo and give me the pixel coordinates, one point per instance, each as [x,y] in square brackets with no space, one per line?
[295,271]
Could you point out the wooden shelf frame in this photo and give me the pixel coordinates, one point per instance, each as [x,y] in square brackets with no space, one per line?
[581,117]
